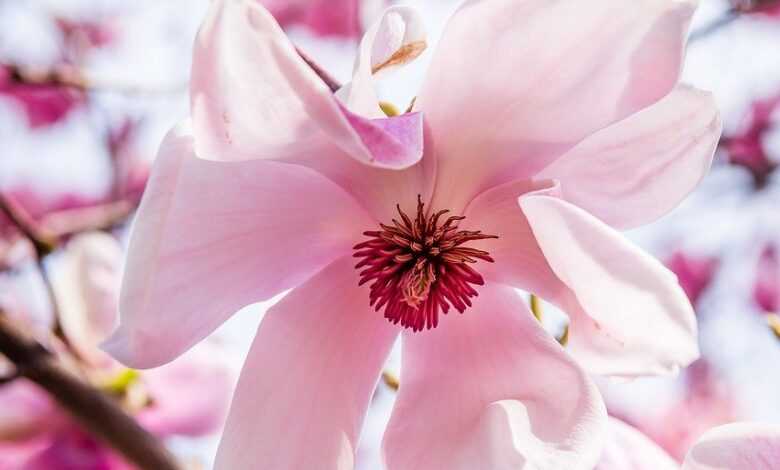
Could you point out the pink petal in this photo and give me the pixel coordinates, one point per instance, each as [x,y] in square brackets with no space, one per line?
[26,412]
[491,389]
[629,316]
[190,396]
[87,289]
[396,39]
[519,261]
[308,379]
[513,85]
[211,237]
[253,96]
[739,446]
[629,449]
[640,168]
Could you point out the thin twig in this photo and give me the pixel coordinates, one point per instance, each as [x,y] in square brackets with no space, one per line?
[718,23]
[72,77]
[44,243]
[93,409]
[331,82]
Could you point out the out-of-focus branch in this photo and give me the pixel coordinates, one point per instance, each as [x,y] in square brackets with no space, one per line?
[44,243]
[94,410]
[99,217]
[725,19]
[332,83]
[64,75]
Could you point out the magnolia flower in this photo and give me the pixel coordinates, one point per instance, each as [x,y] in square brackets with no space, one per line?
[737,446]
[694,273]
[546,124]
[747,148]
[766,287]
[187,397]
[343,18]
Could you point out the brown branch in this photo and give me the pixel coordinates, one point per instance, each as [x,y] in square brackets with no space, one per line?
[331,82]
[94,410]
[44,243]
[69,76]
[106,216]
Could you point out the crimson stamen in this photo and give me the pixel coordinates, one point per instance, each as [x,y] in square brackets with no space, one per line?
[420,268]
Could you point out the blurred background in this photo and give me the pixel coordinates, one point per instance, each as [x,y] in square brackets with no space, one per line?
[88,88]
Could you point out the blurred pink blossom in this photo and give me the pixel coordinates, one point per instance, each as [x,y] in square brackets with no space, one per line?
[769,8]
[736,446]
[766,287]
[343,18]
[83,34]
[747,148]
[695,273]
[707,402]
[43,104]
[187,397]
[270,188]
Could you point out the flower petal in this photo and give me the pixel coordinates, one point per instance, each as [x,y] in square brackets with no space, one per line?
[640,168]
[566,69]
[519,262]
[491,389]
[628,448]
[309,377]
[629,316]
[87,286]
[738,446]
[190,396]
[211,237]
[253,96]
[396,39]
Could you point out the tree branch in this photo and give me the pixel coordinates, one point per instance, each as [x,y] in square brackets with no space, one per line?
[331,82]
[94,410]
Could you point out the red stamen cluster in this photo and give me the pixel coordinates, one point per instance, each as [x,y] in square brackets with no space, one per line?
[419,267]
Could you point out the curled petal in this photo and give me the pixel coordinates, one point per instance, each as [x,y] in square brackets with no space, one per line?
[629,316]
[253,96]
[396,39]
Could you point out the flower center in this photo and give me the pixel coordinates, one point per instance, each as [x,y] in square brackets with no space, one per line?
[420,267]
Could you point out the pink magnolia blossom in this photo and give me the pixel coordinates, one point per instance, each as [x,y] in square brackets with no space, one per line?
[188,397]
[43,104]
[746,148]
[537,116]
[736,446]
[695,273]
[343,18]
[707,402]
[766,287]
